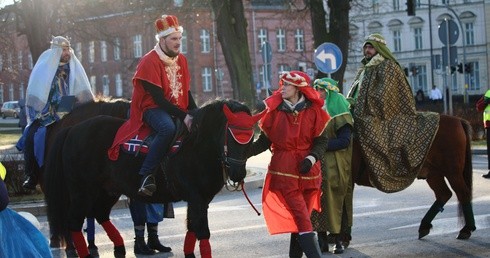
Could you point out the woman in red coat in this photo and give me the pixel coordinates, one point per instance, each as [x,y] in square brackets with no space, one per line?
[293,127]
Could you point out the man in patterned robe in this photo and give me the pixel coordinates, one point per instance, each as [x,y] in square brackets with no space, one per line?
[394,138]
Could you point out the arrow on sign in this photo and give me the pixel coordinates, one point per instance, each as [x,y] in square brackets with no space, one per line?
[323,56]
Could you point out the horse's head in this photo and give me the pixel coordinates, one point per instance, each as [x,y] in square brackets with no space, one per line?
[238,137]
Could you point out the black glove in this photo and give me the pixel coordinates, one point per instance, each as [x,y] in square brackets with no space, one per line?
[486,100]
[305,166]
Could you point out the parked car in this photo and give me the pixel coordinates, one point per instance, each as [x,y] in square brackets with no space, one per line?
[10,109]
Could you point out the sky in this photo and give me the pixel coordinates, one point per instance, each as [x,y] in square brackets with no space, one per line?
[5,2]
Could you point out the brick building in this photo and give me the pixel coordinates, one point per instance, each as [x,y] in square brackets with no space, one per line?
[113,41]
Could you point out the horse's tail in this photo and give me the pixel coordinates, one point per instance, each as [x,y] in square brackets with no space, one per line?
[468,167]
[55,192]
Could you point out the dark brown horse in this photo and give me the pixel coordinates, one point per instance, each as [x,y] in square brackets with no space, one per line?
[448,158]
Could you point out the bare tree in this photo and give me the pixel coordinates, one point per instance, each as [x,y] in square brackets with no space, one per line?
[232,35]
[336,31]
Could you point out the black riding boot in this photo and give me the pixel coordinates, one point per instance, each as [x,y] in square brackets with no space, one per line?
[140,246]
[338,248]
[148,186]
[295,250]
[309,244]
[153,241]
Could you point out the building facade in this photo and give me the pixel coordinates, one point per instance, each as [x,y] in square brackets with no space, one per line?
[114,41]
[420,46]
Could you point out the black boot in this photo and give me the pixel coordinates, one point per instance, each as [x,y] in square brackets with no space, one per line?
[295,250]
[30,183]
[338,248]
[154,243]
[148,186]
[487,175]
[323,241]
[309,244]
[140,246]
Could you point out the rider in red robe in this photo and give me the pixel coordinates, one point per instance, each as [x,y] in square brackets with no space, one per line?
[161,93]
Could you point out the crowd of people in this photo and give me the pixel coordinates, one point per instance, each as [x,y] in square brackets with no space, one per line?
[308,126]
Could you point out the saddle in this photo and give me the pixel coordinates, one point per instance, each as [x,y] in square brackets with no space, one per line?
[140,143]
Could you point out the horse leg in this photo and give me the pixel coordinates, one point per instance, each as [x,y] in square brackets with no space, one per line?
[197,224]
[443,194]
[465,206]
[101,211]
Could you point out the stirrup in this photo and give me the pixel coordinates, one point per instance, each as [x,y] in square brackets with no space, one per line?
[147,188]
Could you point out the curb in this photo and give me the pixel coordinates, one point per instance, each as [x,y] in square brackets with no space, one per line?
[252,181]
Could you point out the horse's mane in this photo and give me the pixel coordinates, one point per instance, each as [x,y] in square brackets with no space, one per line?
[209,118]
[102,105]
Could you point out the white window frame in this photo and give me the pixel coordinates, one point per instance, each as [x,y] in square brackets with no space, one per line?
[299,40]
[207,79]
[281,40]
[93,83]
[262,36]
[105,85]
[119,85]
[103,51]
[205,41]
[417,35]
[117,49]
[91,51]
[137,46]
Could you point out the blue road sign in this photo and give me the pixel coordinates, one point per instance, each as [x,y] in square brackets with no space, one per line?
[328,57]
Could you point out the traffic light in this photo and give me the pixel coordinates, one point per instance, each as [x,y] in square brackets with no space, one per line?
[460,68]
[453,69]
[411,7]
[467,68]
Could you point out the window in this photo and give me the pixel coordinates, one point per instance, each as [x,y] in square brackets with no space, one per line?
[1,62]
[105,85]
[19,58]
[375,6]
[11,91]
[474,76]
[119,86]
[207,83]
[103,51]
[22,94]
[469,33]
[396,5]
[283,68]
[117,49]
[29,59]
[93,80]
[397,41]
[281,40]
[137,46]
[420,79]
[9,61]
[205,41]
[78,51]
[262,37]
[418,38]
[178,3]
[299,40]
[183,42]
[91,51]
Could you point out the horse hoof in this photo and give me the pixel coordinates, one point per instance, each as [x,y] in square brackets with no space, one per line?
[424,230]
[465,233]
[190,255]
[119,251]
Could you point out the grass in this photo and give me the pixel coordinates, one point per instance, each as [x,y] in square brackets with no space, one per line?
[8,137]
